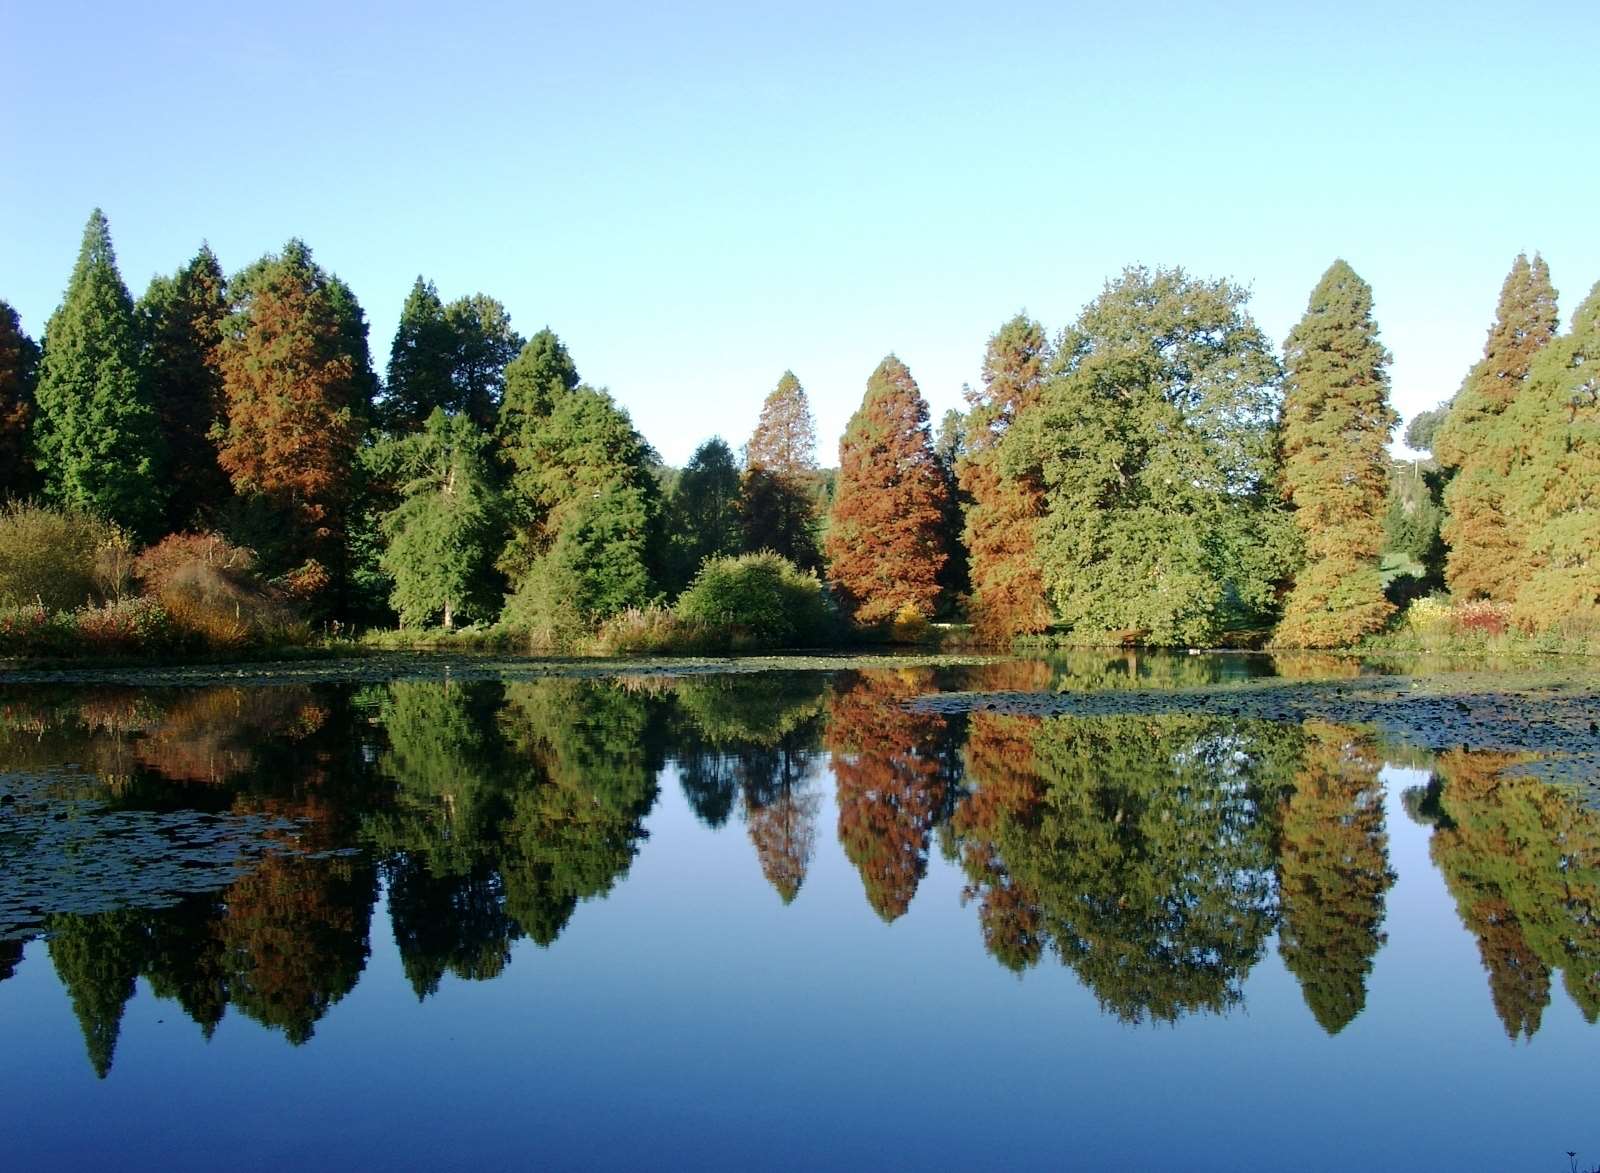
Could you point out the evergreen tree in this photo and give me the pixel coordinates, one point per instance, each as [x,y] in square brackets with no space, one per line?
[585,507]
[1008,596]
[297,388]
[703,514]
[97,435]
[450,356]
[1424,427]
[19,361]
[97,957]
[1554,489]
[949,448]
[776,507]
[443,535]
[1335,435]
[535,380]
[884,543]
[1153,445]
[1486,556]
[181,321]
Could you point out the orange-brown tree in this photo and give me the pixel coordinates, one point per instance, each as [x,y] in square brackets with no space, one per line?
[19,360]
[296,379]
[1008,596]
[885,545]
[1486,558]
[775,495]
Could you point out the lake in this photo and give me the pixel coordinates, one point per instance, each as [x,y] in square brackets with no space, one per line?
[480,918]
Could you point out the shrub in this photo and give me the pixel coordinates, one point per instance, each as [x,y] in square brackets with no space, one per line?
[212,594]
[49,556]
[653,631]
[130,625]
[544,609]
[909,625]
[760,600]
[1481,617]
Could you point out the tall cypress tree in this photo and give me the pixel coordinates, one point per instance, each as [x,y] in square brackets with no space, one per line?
[1000,532]
[19,360]
[97,435]
[421,360]
[181,318]
[776,510]
[703,514]
[1486,555]
[297,386]
[1554,428]
[535,380]
[1335,435]
[885,544]
[485,345]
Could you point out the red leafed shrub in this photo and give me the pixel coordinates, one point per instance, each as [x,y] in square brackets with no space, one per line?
[1483,617]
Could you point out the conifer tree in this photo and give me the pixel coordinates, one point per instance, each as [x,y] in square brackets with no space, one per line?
[1008,596]
[181,320]
[421,361]
[297,391]
[885,545]
[1335,434]
[703,514]
[540,375]
[1554,488]
[96,433]
[485,345]
[776,506]
[443,536]
[1153,445]
[1485,539]
[19,361]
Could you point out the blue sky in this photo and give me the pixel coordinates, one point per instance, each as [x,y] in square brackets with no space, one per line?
[698,197]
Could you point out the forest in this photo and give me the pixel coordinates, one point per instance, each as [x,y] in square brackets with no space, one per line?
[218,466]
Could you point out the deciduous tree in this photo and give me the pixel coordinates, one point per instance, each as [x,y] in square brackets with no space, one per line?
[884,543]
[776,509]
[1335,435]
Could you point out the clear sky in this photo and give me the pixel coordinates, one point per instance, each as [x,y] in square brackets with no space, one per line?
[696,197]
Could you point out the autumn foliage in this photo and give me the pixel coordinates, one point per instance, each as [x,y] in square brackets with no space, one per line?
[885,546]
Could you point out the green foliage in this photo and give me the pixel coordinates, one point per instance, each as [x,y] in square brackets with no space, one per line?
[1154,446]
[761,600]
[535,380]
[702,513]
[97,435]
[50,556]
[1424,426]
[444,534]
[19,361]
[1335,434]
[180,322]
[452,357]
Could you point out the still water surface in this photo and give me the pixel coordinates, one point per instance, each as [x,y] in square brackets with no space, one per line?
[778,921]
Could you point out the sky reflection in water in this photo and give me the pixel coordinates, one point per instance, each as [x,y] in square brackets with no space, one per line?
[783,921]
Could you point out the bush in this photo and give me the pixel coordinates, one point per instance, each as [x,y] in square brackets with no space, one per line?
[653,631]
[544,609]
[213,596]
[1481,617]
[50,557]
[759,600]
[909,625]
[130,626]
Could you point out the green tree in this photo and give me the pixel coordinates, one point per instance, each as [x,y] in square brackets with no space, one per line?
[97,958]
[1486,557]
[445,533]
[1002,521]
[1424,427]
[585,507]
[885,541]
[1554,488]
[1154,447]
[181,320]
[776,508]
[450,356]
[539,377]
[97,435]
[703,513]
[1335,435]
[19,361]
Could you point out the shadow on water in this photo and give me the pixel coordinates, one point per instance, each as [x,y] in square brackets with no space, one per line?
[231,845]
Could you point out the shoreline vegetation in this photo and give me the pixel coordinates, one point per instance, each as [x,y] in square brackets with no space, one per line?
[216,471]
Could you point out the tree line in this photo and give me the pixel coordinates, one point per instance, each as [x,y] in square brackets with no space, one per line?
[1157,472]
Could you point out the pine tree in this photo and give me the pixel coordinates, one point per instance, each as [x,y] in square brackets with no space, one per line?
[19,361]
[1554,488]
[703,514]
[485,345]
[1486,555]
[884,545]
[443,536]
[1153,446]
[297,390]
[96,433]
[421,362]
[1335,435]
[181,320]
[534,381]
[1008,596]
[776,499]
